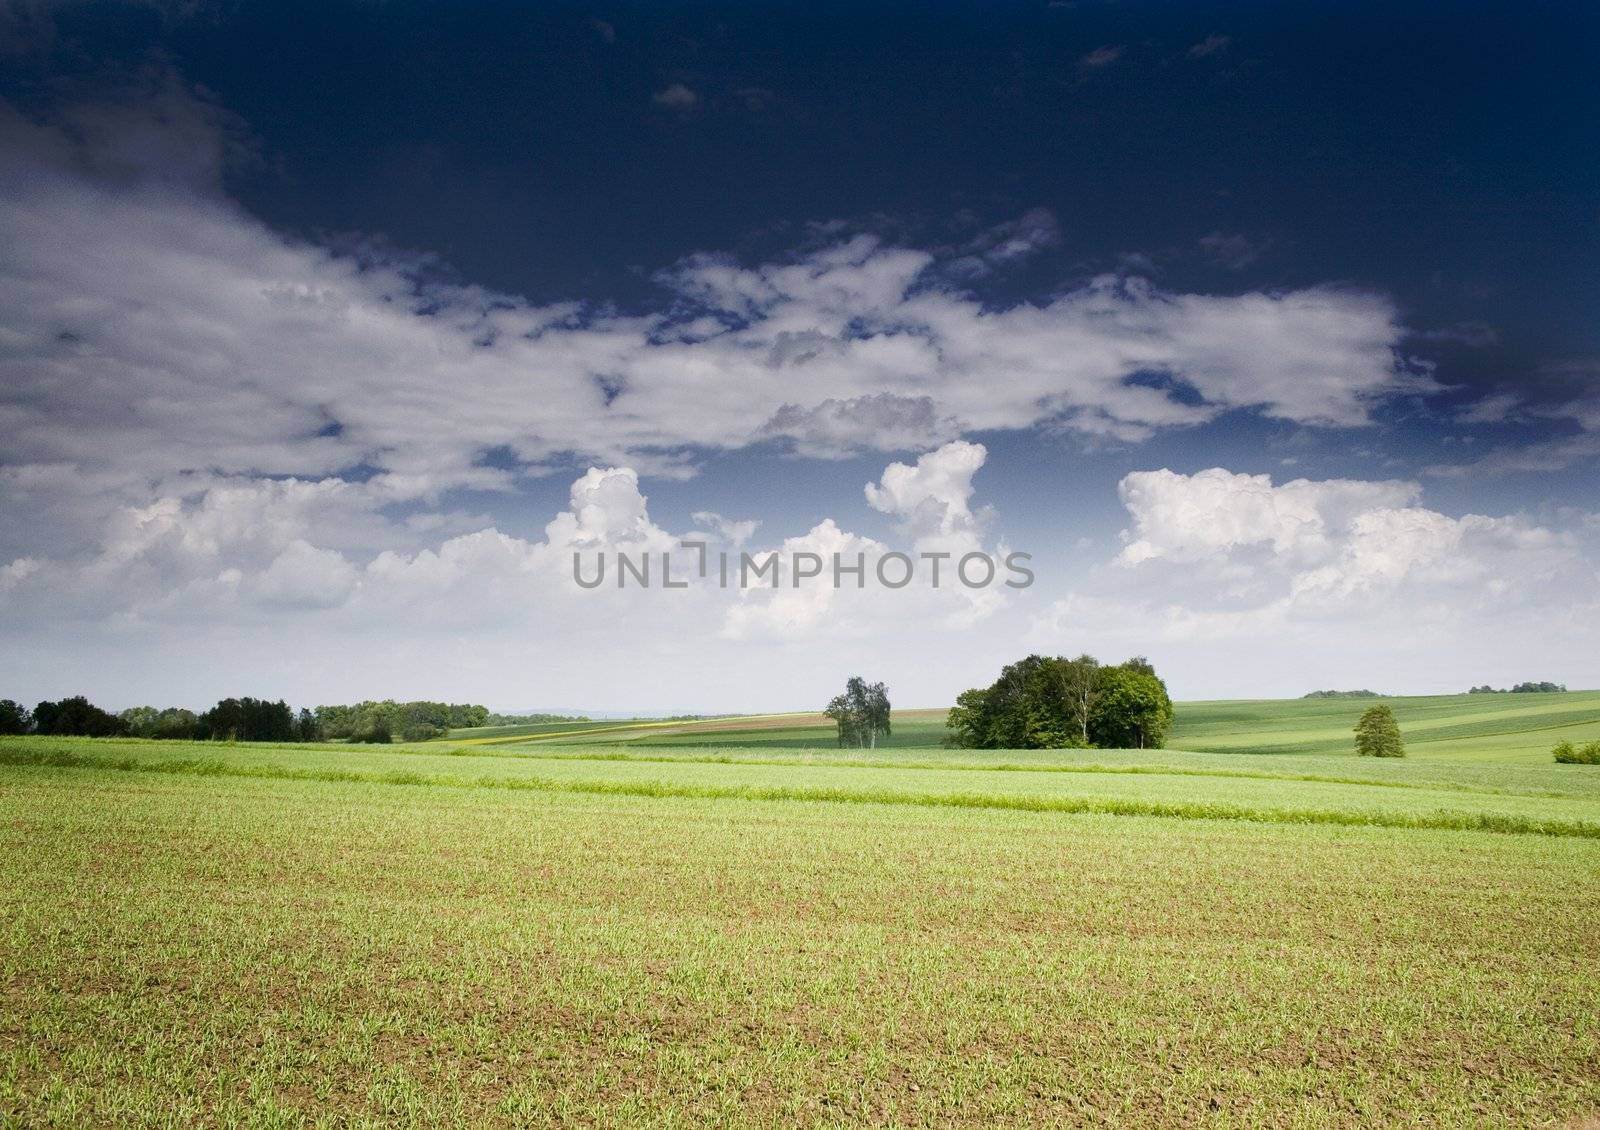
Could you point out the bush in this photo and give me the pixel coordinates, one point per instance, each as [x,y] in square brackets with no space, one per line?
[1568,754]
[379,733]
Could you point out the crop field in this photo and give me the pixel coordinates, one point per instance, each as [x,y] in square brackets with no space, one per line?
[1494,728]
[749,926]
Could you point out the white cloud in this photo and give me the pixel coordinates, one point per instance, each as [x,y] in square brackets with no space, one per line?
[184,337]
[1215,512]
[303,576]
[932,500]
[1332,575]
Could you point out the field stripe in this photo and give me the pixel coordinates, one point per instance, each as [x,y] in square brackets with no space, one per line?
[1444,819]
[976,767]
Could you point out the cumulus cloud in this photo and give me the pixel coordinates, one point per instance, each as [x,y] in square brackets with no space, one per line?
[184,338]
[284,547]
[1337,567]
[303,576]
[931,500]
[1243,586]
[1215,512]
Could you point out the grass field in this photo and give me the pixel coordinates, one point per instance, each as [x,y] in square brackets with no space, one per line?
[1260,929]
[1505,727]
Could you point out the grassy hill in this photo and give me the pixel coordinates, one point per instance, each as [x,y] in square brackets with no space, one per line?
[1517,728]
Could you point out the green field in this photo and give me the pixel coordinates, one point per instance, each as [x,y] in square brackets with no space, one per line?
[1492,728]
[737,923]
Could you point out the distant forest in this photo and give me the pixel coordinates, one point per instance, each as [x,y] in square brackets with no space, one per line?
[1522,688]
[249,720]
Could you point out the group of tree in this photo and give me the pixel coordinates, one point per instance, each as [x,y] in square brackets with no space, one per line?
[1342,694]
[1044,702]
[389,721]
[75,715]
[1378,734]
[528,719]
[1522,688]
[1586,754]
[246,720]
[861,713]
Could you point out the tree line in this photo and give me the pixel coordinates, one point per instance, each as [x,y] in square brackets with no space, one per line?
[1045,702]
[1522,688]
[247,720]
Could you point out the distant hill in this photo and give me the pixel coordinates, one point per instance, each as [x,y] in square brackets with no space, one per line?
[1343,694]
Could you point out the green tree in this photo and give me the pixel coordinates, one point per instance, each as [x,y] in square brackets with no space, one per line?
[1378,734]
[248,720]
[1131,710]
[306,727]
[861,713]
[968,721]
[76,716]
[14,717]
[1080,681]
[1045,702]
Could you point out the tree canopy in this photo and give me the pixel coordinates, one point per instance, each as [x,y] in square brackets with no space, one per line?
[76,716]
[14,717]
[387,720]
[1378,734]
[861,713]
[1043,702]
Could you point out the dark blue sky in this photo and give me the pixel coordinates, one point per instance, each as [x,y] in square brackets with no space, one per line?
[1448,154]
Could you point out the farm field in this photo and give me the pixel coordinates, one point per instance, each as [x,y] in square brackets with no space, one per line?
[1493,728]
[540,932]
[560,932]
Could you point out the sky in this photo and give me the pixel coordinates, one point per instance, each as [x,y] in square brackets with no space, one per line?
[331,333]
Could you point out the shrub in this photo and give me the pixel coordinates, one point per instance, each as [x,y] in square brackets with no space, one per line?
[1568,754]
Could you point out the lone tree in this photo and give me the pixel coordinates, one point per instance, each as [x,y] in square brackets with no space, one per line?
[861,713]
[1378,734]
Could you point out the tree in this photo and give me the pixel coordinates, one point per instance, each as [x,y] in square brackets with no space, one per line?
[1378,734]
[414,721]
[76,716]
[306,727]
[14,717]
[248,720]
[1131,710]
[1080,682]
[1045,702]
[861,713]
[968,720]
